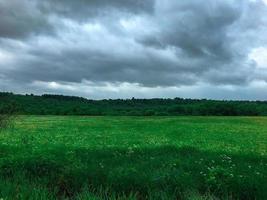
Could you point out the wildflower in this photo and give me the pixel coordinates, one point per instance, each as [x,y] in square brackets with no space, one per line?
[101,165]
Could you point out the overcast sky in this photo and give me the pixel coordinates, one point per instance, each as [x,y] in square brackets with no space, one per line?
[135,48]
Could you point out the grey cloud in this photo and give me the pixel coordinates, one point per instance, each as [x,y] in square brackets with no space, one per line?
[20,18]
[161,43]
[209,32]
[73,66]
[85,9]
[198,29]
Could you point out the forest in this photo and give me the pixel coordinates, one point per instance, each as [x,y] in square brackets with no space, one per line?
[48,104]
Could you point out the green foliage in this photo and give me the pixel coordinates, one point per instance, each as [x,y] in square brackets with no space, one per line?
[7,110]
[67,105]
[4,121]
[134,158]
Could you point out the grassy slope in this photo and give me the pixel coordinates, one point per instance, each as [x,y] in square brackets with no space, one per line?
[157,158]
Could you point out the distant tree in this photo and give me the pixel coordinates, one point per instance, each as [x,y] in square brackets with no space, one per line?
[149,113]
[49,104]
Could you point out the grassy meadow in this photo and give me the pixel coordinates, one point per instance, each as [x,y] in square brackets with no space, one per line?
[134,158]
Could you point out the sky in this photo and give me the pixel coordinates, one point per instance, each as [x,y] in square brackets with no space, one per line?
[215,49]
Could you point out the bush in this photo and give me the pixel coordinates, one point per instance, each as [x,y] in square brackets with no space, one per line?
[4,121]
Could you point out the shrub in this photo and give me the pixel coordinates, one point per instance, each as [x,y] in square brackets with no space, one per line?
[4,121]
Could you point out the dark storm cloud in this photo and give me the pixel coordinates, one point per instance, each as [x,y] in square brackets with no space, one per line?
[85,9]
[199,31]
[198,28]
[73,66]
[152,43]
[19,18]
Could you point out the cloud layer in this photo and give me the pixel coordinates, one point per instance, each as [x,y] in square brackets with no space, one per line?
[123,48]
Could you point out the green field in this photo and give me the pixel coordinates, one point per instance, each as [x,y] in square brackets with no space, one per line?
[134,158]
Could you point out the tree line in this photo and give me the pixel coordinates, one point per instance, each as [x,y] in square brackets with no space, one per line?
[48,104]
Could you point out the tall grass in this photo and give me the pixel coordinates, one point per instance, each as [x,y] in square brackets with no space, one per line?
[4,121]
[134,158]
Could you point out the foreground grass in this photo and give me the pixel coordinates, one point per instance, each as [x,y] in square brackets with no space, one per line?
[134,158]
